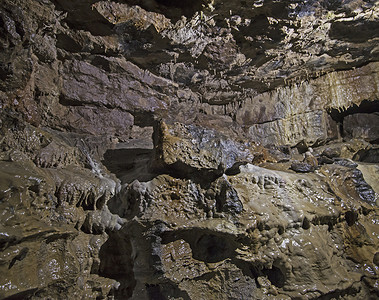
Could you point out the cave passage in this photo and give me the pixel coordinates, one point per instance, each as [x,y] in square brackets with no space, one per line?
[345,124]
[366,107]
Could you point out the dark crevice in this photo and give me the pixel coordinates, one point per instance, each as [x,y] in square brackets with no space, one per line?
[154,292]
[340,294]
[275,275]
[116,262]
[211,248]
[306,223]
[6,70]
[180,170]
[69,102]
[130,164]
[235,169]
[357,31]
[67,43]
[365,107]
[165,291]
[206,245]
[367,155]
[102,62]
[19,257]
[143,118]
[351,217]
[88,201]
[27,294]
[80,16]
[101,201]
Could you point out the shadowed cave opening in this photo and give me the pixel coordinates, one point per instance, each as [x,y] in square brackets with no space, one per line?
[165,291]
[129,164]
[274,274]
[355,31]
[364,111]
[351,217]
[206,245]
[368,156]
[211,248]
[365,107]
[131,159]
[79,15]
[116,262]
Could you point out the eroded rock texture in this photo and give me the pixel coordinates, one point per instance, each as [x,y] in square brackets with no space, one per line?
[198,149]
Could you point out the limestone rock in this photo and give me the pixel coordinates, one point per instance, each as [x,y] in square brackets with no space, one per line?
[42,175]
[146,147]
[261,244]
[188,148]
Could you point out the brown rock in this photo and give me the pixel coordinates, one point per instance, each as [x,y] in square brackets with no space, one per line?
[188,148]
[83,82]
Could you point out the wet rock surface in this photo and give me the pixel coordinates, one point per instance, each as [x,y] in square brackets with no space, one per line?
[196,149]
[189,150]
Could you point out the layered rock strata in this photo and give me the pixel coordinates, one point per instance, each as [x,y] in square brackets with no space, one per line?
[189,150]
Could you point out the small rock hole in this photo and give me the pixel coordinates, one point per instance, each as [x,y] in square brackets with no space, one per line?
[351,217]
[306,224]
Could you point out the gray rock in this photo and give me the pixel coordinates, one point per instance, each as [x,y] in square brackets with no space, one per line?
[302,167]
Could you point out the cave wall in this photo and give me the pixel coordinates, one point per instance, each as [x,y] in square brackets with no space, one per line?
[193,149]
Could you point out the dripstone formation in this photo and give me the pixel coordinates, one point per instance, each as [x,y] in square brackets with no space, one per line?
[204,149]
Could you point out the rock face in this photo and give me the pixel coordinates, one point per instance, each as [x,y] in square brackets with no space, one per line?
[189,149]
